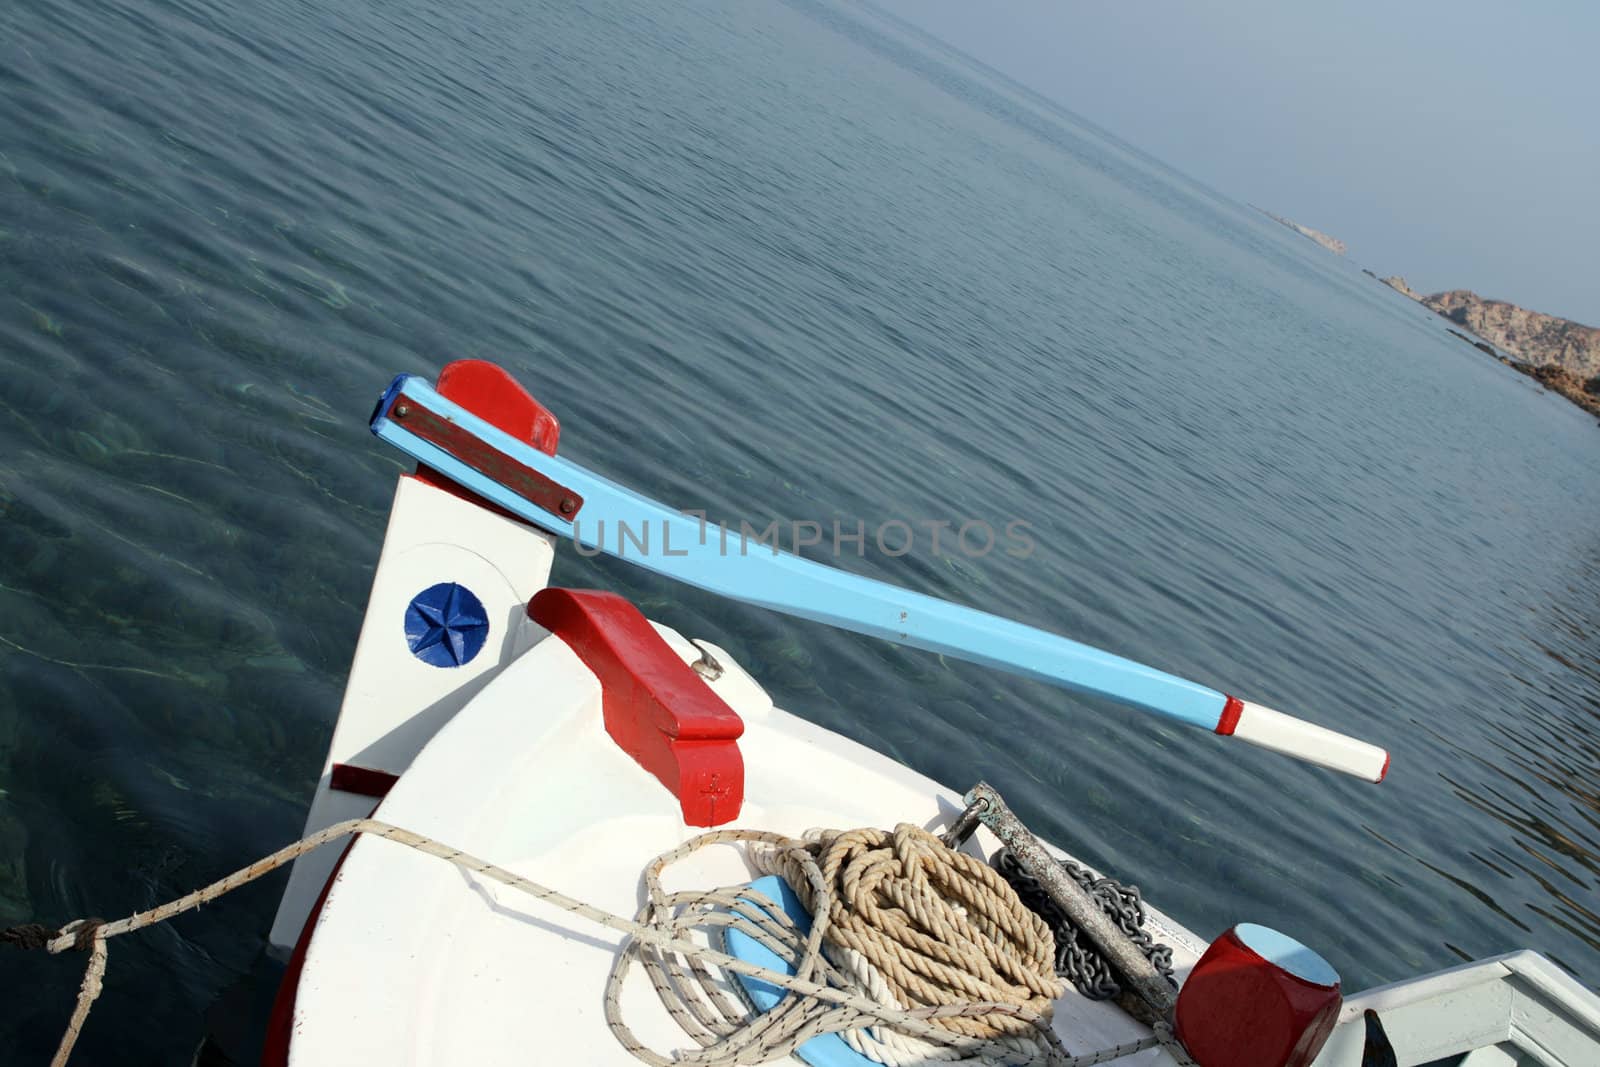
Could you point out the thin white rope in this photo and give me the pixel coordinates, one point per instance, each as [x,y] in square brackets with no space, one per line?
[824,1006]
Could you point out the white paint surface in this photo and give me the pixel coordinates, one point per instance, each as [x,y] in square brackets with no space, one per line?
[394,702]
[1315,744]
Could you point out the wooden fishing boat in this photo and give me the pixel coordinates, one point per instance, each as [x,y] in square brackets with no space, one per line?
[568,741]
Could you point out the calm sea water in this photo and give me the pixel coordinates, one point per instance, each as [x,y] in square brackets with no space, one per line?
[772,260]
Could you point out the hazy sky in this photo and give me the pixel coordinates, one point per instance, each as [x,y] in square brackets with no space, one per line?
[1455,142]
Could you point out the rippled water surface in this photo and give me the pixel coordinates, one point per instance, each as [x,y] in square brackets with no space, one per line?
[775,261]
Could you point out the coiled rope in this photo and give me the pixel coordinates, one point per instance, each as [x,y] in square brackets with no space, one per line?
[938,925]
[831,998]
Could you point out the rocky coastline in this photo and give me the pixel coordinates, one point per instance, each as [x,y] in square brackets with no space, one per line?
[1332,244]
[1557,353]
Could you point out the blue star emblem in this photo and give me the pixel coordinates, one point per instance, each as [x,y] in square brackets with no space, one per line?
[446,625]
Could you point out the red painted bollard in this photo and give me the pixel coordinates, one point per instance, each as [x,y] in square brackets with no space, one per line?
[1257,999]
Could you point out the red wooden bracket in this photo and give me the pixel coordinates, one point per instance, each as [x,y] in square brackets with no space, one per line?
[657,709]
[486,390]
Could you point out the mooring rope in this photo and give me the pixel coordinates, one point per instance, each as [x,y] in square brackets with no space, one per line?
[736,1038]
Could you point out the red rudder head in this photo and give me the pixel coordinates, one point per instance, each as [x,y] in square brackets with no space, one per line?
[486,390]
[1257,998]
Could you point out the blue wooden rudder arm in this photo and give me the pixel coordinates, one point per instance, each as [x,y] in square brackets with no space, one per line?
[566,499]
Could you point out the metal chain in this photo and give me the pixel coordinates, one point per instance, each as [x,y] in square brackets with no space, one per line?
[1077,960]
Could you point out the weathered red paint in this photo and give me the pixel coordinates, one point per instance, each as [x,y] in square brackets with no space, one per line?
[486,390]
[1237,1009]
[1230,716]
[458,441]
[364,781]
[657,709]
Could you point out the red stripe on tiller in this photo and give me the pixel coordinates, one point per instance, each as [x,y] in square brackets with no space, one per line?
[1230,716]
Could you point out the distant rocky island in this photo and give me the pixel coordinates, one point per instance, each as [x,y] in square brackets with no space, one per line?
[1332,244]
[1562,354]
[1398,284]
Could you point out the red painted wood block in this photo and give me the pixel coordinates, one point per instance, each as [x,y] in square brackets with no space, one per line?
[1257,999]
[492,394]
[364,781]
[657,709]
[486,390]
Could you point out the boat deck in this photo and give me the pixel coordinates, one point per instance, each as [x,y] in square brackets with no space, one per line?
[416,961]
